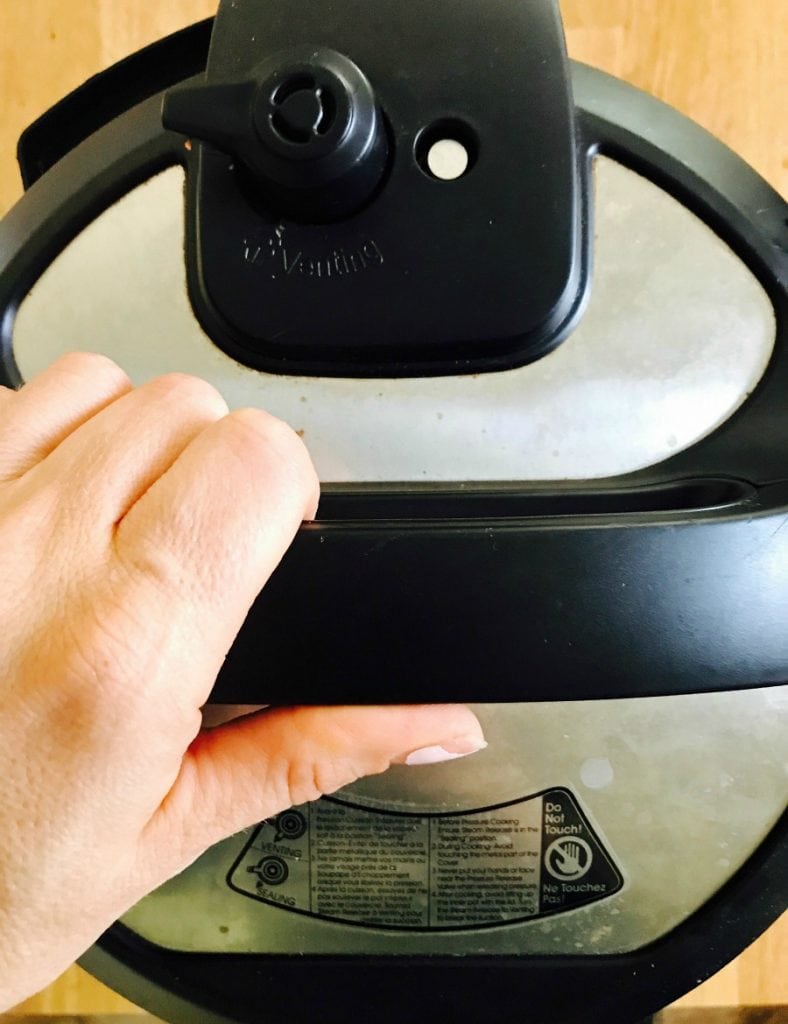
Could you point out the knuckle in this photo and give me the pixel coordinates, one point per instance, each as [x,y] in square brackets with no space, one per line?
[278,444]
[188,391]
[262,425]
[93,366]
[309,779]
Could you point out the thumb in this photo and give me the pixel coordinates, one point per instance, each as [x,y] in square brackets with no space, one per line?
[253,768]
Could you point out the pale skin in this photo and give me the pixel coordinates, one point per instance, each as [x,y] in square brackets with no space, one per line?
[137,525]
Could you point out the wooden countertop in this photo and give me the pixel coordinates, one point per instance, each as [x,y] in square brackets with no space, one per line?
[674,1015]
[723,62]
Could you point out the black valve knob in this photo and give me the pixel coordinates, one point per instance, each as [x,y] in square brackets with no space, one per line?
[301,115]
[305,126]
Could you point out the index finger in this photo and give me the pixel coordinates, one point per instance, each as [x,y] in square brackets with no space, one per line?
[212,529]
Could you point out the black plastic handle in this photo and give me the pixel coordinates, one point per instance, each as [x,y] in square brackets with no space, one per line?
[494,609]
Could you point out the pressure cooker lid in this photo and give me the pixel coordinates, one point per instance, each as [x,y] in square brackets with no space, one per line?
[531,325]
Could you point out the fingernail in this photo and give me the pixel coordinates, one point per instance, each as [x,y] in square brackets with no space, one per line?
[448,751]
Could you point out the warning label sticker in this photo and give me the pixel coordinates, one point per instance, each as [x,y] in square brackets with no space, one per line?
[387,869]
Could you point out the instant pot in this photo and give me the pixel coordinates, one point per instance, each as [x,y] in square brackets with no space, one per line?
[531,324]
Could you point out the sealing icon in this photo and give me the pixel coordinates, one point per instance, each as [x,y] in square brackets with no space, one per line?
[271,870]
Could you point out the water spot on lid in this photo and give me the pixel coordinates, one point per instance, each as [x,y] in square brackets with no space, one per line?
[672,441]
[596,772]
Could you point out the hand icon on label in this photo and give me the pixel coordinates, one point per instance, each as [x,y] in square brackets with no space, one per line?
[568,858]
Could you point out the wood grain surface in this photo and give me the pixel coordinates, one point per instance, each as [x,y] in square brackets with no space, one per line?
[722,62]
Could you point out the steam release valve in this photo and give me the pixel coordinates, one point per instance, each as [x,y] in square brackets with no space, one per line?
[305,127]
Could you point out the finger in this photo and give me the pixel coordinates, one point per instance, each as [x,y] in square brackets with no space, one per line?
[116,456]
[36,419]
[251,769]
[212,529]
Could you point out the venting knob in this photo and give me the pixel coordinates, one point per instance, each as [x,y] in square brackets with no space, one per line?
[305,128]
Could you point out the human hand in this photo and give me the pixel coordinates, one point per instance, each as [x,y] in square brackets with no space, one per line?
[136,528]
